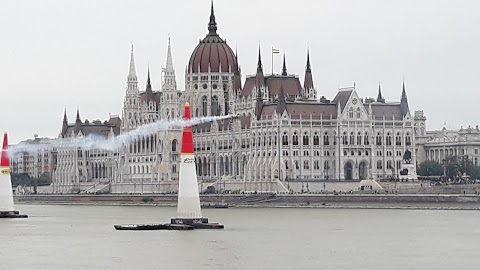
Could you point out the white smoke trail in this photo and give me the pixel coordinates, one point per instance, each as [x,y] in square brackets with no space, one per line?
[109,144]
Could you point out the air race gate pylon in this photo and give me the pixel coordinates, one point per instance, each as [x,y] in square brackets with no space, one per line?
[7,209]
[188,210]
[189,213]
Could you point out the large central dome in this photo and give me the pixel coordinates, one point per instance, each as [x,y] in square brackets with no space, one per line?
[212,53]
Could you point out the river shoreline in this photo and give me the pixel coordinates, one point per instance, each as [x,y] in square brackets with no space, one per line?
[319,201]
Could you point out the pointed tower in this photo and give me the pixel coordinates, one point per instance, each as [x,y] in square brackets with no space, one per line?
[404,102]
[148,87]
[260,78]
[308,82]
[132,80]
[188,196]
[78,122]
[7,209]
[64,124]
[131,104]
[169,80]
[284,69]
[380,97]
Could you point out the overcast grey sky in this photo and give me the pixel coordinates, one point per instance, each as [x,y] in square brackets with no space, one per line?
[59,53]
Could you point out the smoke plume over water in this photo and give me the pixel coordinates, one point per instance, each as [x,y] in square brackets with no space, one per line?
[110,144]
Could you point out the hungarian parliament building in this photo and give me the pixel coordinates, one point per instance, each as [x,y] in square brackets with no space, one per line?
[283,130]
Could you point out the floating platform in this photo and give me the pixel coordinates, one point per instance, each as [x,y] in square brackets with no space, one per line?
[197,223]
[176,224]
[153,227]
[208,226]
[12,214]
[215,205]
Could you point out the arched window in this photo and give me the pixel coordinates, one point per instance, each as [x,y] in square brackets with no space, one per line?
[350,113]
[379,164]
[352,138]
[295,138]
[388,139]
[389,164]
[359,138]
[359,113]
[215,107]
[379,139]
[174,145]
[316,139]
[204,106]
[326,140]
[174,168]
[398,139]
[345,138]
[305,138]
[408,139]
[366,140]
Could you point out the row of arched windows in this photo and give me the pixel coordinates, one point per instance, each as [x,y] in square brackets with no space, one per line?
[346,138]
[139,169]
[389,139]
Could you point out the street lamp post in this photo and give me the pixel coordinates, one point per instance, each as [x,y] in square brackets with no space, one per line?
[325,176]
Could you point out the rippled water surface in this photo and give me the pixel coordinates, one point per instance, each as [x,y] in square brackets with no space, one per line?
[83,237]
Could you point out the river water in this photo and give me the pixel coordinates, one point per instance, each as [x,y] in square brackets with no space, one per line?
[83,237]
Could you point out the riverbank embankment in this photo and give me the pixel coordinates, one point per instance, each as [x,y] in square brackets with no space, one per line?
[351,201]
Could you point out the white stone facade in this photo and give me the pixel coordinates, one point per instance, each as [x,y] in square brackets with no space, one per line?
[436,145]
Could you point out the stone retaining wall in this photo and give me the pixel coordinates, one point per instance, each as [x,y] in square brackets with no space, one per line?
[253,199]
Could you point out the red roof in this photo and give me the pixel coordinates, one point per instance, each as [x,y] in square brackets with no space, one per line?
[216,55]
[290,84]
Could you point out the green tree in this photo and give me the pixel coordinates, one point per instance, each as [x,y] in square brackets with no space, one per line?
[430,168]
[457,166]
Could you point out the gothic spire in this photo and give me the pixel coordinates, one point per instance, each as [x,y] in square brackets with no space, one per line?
[77,119]
[308,82]
[259,64]
[212,25]
[284,69]
[149,84]
[65,120]
[169,65]
[65,124]
[132,73]
[169,80]
[380,96]
[403,101]
[308,69]
[78,122]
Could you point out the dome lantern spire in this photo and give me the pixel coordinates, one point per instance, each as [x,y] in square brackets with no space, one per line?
[212,25]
